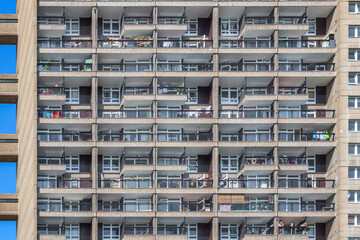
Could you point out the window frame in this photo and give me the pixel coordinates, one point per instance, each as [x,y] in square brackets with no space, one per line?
[72,167]
[112,31]
[111,227]
[356,172]
[230,31]
[111,168]
[69,98]
[229,168]
[354,52]
[111,99]
[71,31]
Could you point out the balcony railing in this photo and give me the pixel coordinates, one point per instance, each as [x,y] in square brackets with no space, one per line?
[185,43]
[138,230]
[64,113]
[255,91]
[258,160]
[66,183]
[64,67]
[184,137]
[171,230]
[191,206]
[247,137]
[64,207]
[292,160]
[44,160]
[138,90]
[247,207]
[292,90]
[138,20]
[121,43]
[51,20]
[125,207]
[64,44]
[307,183]
[301,230]
[303,67]
[172,90]
[246,67]
[259,20]
[125,113]
[171,20]
[184,113]
[316,136]
[306,44]
[184,183]
[126,67]
[306,207]
[65,137]
[51,90]
[313,113]
[51,230]
[125,137]
[293,20]
[118,183]
[171,161]
[259,230]
[248,43]
[185,67]
[250,183]
[246,113]
[138,160]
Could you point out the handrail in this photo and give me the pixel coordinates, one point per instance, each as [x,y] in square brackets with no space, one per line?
[184,43]
[64,113]
[125,113]
[185,183]
[185,113]
[246,113]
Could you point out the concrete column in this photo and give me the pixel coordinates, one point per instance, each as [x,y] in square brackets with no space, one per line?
[155,223]
[94,97]
[155,15]
[215,97]
[94,228]
[215,132]
[155,128]
[154,111]
[276,62]
[215,167]
[275,132]
[276,39]
[215,202]
[154,65]
[94,132]
[155,39]
[215,228]
[215,60]
[94,167]
[155,156]
[94,58]
[94,202]
[276,15]
[155,85]
[215,27]
[94,26]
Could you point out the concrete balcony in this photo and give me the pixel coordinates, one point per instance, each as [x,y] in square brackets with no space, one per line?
[8,88]
[52,237]
[143,46]
[8,28]
[171,26]
[51,26]
[8,146]
[52,169]
[9,206]
[137,26]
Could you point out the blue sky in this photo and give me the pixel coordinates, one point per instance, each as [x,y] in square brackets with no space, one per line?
[8,230]
[7,118]
[7,177]
[7,63]
[8,6]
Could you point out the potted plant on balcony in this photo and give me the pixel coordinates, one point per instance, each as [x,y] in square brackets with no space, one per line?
[132,178]
[180,89]
[142,178]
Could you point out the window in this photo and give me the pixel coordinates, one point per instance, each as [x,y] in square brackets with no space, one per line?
[192,96]
[354,54]
[229,164]
[312,28]
[72,96]
[354,149]
[354,196]
[192,164]
[312,95]
[354,31]
[111,95]
[111,232]
[111,164]
[7,177]
[111,27]
[354,125]
[72,232]
[137,204]
[229,231]
[354,220]
[72,164]
[229,95]
[354,102]
[354,173]
[49,204]
[311,162]
[72,27]
[169,205]
[354,78]
[354,7]
[192,25]
[229,27]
